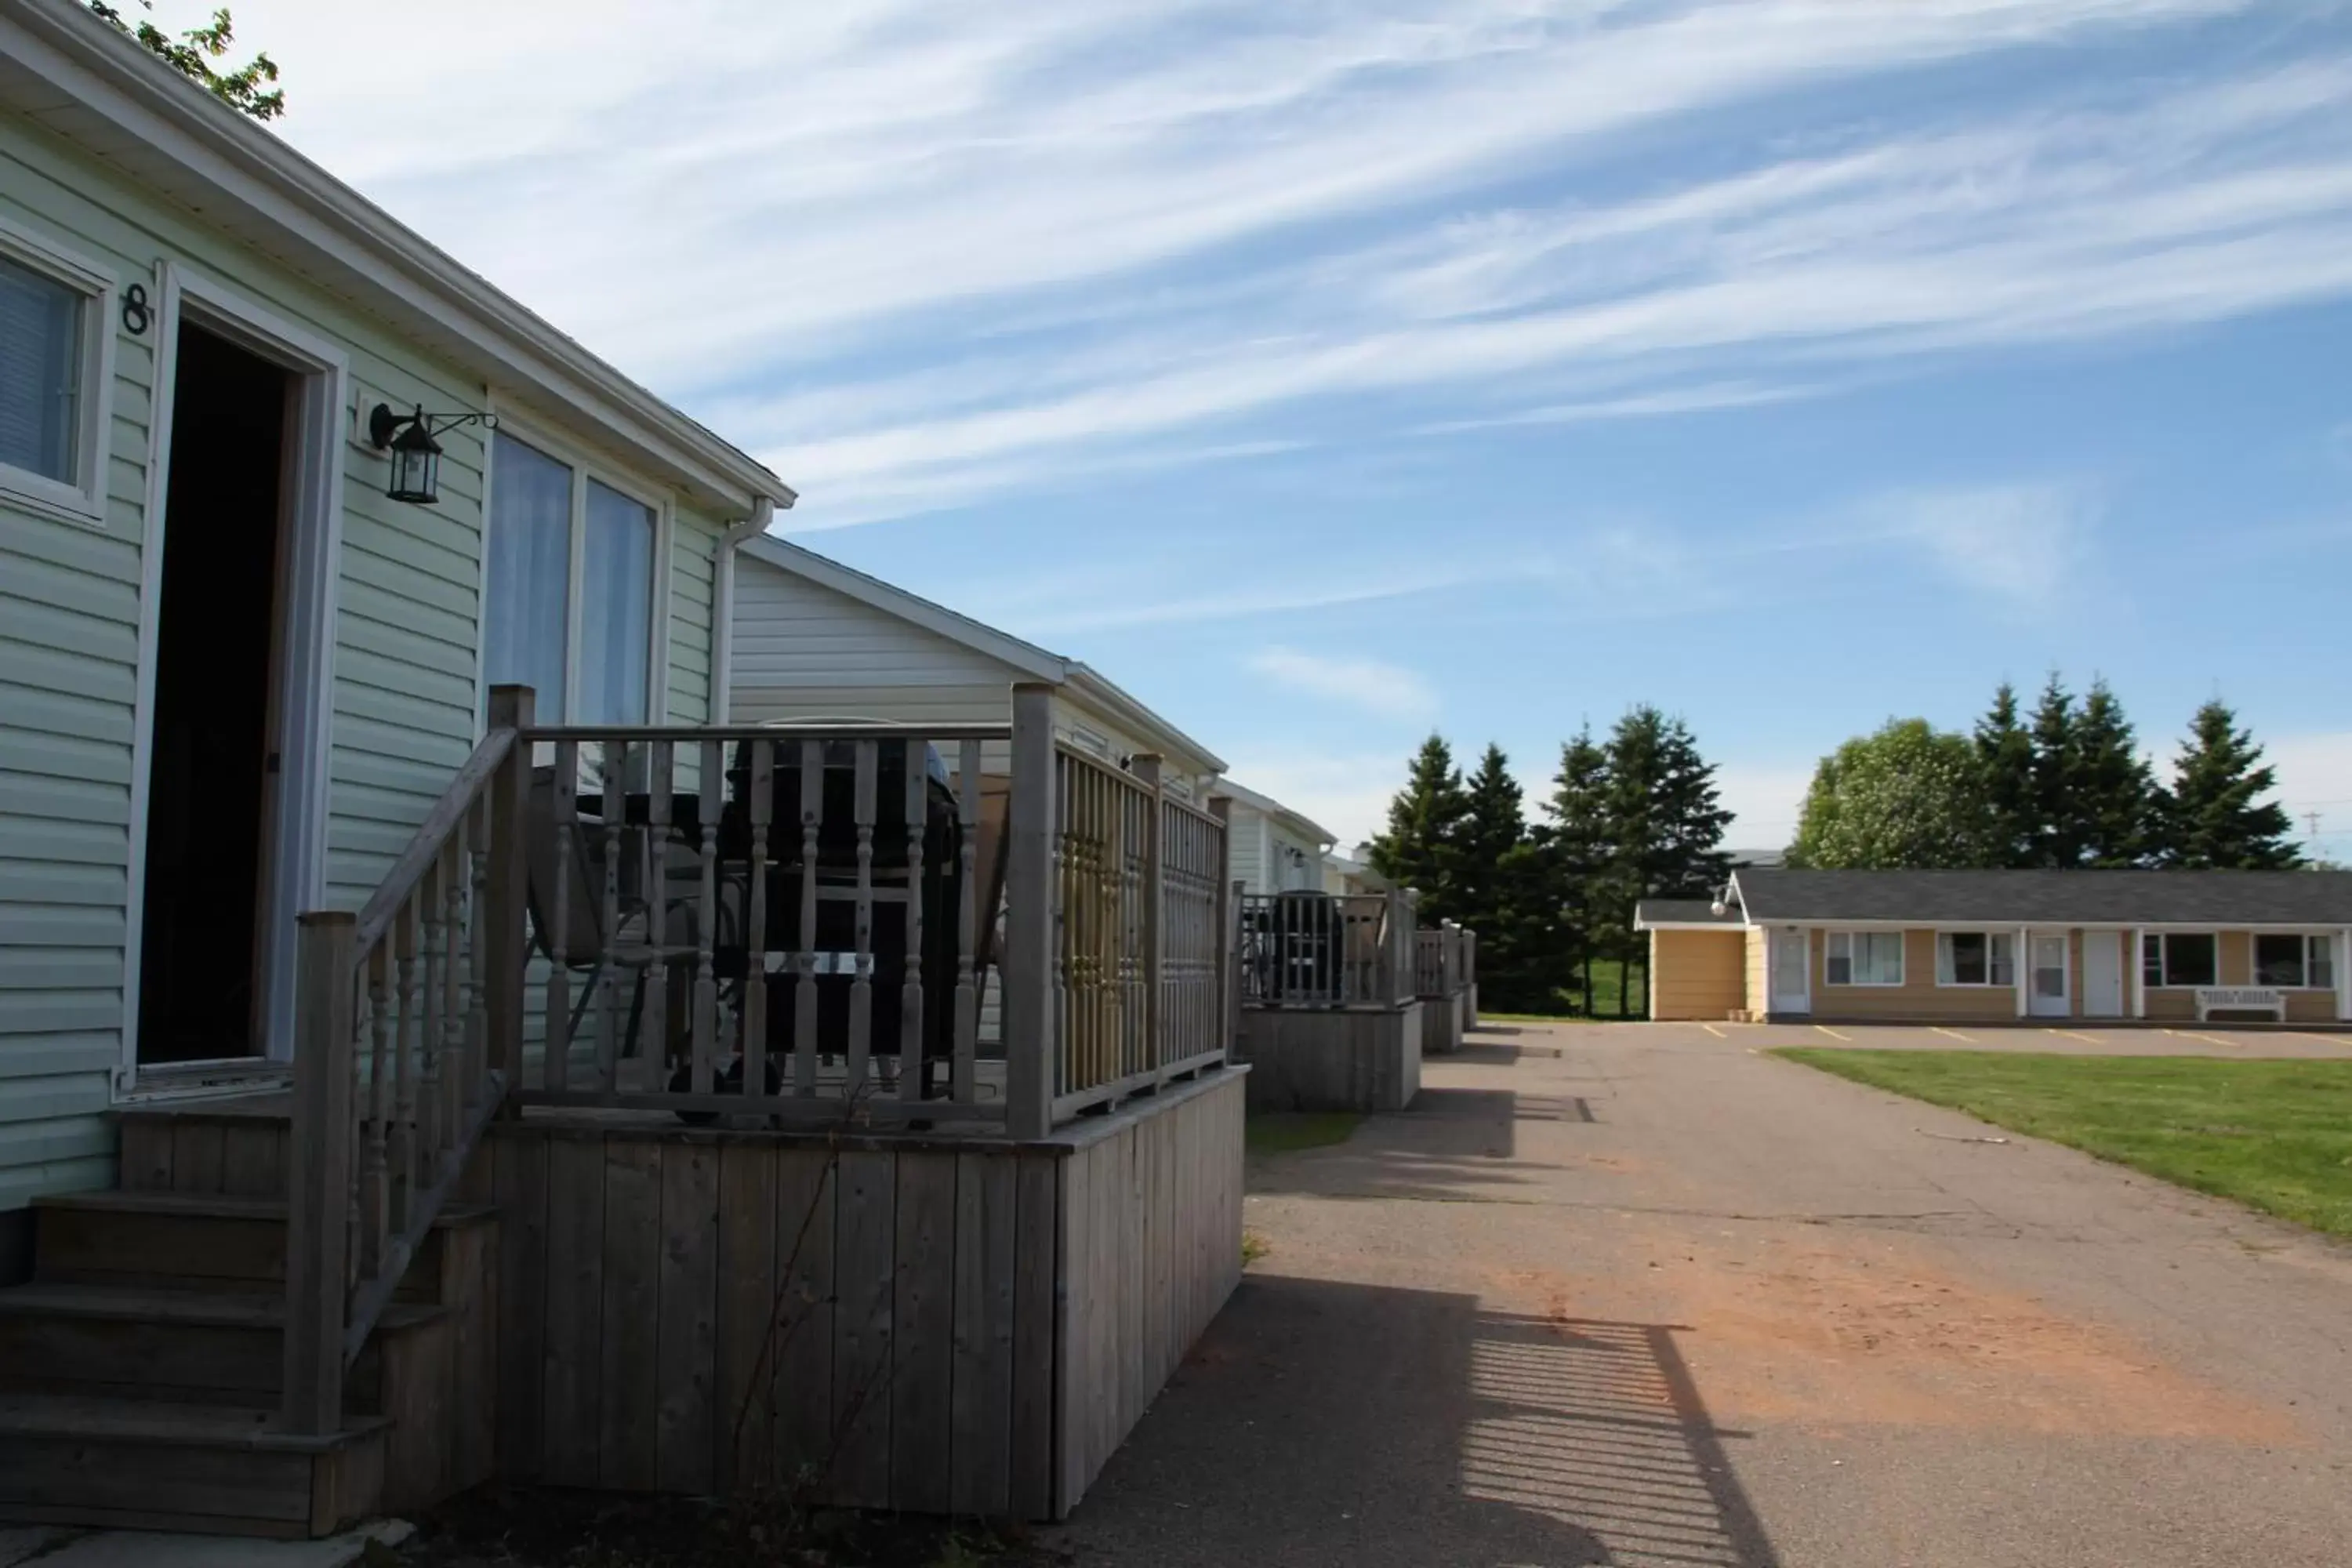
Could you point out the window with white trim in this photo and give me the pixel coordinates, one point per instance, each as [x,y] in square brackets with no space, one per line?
[2293,961]
[54,331]
[1976,957]
[570,607]
[1864,958]
[2181,958]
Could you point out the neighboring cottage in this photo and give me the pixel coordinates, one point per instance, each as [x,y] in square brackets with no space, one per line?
[1274,849]
[1955,946]
[813,639]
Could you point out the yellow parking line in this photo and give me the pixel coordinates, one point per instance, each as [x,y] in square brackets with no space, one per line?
[2344,1040]
[1832,1034]
[1711,1029]
[1952,1034]
[2071,1034]
[2208,1039]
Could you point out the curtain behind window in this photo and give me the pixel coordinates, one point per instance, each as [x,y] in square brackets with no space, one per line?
[531,573]
[40,362]
[616,609]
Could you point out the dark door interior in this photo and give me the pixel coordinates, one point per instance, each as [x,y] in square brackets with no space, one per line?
[209,798]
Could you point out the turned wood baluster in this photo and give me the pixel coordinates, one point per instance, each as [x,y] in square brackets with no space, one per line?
[861,984]
[912,1070]
[805,961]
[375,1158]
[967,992]
[614,780]
[456,1003]
[755,959]
[430,1033]
[407,939]
[710,804]
[555,1059]
[653,1029]
[477,953]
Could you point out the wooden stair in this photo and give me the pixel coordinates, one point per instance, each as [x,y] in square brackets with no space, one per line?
[142,1367]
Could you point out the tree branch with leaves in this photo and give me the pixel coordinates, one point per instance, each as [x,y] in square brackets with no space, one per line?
[245,88]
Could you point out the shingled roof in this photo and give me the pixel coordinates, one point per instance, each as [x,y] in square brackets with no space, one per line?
[2049,898]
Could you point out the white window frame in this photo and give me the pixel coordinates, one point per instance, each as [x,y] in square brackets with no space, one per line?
[2164,964]
[2314,941]
[1845,939]
[584,467]
[83,500]
[1945,968]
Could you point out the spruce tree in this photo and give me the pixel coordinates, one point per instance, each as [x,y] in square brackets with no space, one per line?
[2055,835]
[2111,807]
[1574,849]
[1664,824]
[2215,815]
[1422,848]
[2004,750]
[1496,883]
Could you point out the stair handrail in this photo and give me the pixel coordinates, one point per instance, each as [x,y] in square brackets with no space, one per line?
[430,969]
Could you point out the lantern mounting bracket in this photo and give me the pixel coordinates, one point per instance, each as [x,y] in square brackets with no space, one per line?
[385,423]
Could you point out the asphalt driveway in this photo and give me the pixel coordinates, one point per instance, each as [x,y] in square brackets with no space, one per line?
[1637,1294]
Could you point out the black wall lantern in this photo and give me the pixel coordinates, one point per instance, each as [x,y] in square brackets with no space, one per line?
[415,455]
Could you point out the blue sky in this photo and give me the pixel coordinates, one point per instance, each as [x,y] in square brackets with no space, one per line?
[1326,373]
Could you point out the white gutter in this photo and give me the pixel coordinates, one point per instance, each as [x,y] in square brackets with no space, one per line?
[722,604]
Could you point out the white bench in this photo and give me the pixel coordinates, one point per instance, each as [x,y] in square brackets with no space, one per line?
[2212,999]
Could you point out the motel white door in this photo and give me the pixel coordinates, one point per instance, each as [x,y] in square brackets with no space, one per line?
[1793,989]
[2048,997]
[2103,974]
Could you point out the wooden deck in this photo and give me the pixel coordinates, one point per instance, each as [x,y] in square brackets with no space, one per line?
[933,1322]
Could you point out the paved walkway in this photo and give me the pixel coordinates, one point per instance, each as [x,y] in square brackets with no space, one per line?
[1635,1294]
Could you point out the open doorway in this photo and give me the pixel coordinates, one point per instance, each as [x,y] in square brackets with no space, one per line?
[214,768]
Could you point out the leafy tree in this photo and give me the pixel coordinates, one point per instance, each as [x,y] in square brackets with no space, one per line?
[1906,796]
[2215,815]
[2004,754]
[2056,838]
[2111,808]
[193,51]
[1423,845]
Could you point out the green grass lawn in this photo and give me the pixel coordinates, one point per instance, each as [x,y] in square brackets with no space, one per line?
[2276,1135]
[1288,1132]
[1613,984]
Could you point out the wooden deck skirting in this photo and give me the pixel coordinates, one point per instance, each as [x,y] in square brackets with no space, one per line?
[922,1321]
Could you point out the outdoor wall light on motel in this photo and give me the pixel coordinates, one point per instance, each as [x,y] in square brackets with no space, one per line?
[415,455]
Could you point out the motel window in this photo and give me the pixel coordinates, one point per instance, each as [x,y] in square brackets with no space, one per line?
[54,337]
[2294,962]
[1864,958]
[2181,958]
[1975,958]
[581,637]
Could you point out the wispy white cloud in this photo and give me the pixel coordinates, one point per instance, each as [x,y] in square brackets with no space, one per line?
[2017,541]
[919,256]
[1372,684]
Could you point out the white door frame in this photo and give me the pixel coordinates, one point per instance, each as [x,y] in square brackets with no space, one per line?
[311,524]
[2066,999]
[1778,939]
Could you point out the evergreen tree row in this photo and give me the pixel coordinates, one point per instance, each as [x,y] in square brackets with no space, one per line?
[1632,814]
[2062,787]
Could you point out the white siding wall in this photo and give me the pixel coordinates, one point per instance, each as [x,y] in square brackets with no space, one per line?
[405,692]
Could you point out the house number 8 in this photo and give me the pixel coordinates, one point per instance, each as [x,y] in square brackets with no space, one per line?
[135,313]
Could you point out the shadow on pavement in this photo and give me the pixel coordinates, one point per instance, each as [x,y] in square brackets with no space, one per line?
[1323,1423]
[1452,1144]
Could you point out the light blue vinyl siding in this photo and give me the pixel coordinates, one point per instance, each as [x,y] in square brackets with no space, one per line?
[406,692]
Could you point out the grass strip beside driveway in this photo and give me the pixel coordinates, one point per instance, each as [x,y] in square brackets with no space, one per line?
[2276,1135]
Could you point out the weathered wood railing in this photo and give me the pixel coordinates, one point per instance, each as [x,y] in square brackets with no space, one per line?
[790,925]
[406,1044]
[1142,910]
[1327,950]
[1439,965]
